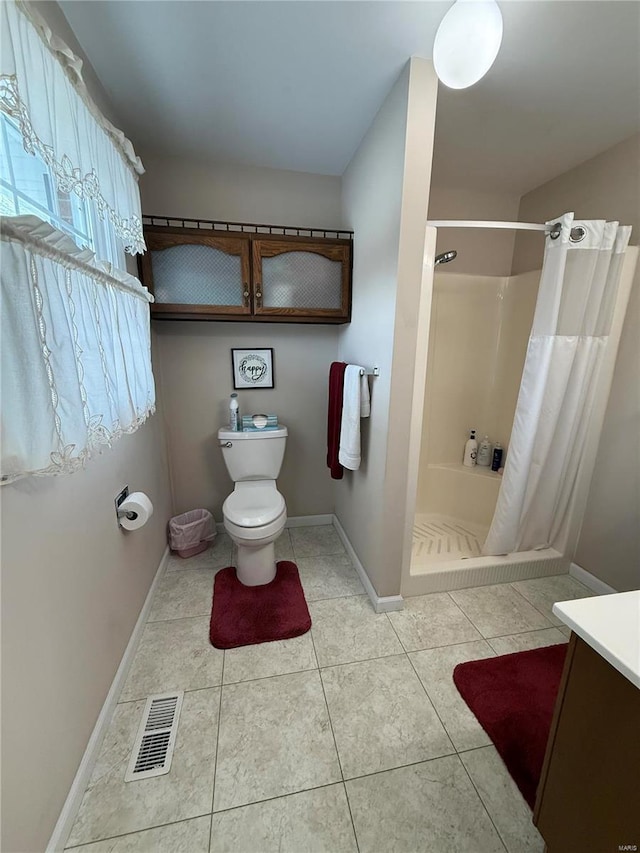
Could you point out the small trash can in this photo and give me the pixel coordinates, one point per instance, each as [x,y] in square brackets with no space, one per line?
[191,532]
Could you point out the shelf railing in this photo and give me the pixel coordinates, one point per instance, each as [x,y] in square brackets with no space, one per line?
[246,227]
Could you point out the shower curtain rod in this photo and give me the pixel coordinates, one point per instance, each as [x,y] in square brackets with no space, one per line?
[471,223]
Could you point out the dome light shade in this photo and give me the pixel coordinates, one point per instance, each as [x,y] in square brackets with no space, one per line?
[467,42]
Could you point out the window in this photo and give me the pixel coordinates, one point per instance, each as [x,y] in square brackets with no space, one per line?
[27,187]
[75,347]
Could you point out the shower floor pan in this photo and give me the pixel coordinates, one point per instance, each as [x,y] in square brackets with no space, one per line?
[441,538]
[446,554]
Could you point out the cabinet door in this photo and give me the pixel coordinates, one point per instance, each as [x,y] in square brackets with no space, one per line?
[197,274]
[302,279]
[586,798]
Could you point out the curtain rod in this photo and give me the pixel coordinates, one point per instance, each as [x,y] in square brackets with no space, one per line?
[471,223]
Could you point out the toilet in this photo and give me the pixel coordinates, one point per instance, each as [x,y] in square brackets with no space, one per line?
[255,513]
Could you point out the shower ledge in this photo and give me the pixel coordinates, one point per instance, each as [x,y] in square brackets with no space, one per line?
[476,471]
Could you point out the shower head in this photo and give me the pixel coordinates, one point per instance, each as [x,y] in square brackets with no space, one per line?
[446,257]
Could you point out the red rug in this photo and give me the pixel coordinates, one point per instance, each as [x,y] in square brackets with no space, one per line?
[513,697]
[245,615]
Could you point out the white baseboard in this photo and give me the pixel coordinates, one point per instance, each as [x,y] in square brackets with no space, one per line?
[590,581]
[309,520]
[381,604]
[69,811]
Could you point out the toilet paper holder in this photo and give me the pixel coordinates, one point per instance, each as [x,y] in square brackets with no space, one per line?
[133,509]
[130,515]
[120,513]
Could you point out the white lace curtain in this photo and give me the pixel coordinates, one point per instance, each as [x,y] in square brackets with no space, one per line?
[75,343]
[563,386]
[76,361]
[41,89]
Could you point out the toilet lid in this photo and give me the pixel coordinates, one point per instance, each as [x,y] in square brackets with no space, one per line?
[253,507]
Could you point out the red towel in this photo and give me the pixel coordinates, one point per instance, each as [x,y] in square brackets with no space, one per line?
[336,381]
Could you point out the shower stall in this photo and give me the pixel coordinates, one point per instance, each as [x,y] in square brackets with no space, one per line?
[473,344]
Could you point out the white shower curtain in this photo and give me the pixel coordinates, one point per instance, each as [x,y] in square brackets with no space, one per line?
[562,384]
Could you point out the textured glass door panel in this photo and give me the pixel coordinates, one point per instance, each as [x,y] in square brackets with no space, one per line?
[301,280]
[197,275]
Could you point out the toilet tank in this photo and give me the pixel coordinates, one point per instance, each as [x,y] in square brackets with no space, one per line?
[253,455]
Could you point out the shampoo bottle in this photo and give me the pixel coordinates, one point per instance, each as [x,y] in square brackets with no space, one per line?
[484,452]
[470,450]
[234,417]
[496,464]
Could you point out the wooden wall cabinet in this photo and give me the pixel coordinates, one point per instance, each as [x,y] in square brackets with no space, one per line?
[197,274]
[201,274]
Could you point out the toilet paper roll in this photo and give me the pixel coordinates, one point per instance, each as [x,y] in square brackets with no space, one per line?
[135,511]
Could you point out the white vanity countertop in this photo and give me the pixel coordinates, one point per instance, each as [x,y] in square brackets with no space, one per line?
[610,624]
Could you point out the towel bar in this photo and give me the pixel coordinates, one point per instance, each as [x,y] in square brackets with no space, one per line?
[369,371]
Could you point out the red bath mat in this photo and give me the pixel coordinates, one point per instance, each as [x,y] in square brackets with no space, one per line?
[245,615]
[513,697]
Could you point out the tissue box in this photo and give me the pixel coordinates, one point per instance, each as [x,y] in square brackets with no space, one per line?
[248,422]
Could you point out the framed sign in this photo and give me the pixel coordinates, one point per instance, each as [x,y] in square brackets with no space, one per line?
[252,368]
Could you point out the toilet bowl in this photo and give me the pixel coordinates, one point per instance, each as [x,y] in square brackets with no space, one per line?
[254,516]
[255,512]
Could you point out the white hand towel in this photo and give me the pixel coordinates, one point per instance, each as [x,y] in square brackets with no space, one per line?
[355,405]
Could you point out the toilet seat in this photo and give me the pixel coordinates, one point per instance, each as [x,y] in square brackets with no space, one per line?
[255,504]
[255,536]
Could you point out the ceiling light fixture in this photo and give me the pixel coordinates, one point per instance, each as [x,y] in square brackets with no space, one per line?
[467,42]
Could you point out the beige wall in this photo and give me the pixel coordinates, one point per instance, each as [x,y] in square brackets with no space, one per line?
[184,187]
[73,584]
[196,378]
[480,251]
[385,197]
[195,358]
[605,187]
[608,186]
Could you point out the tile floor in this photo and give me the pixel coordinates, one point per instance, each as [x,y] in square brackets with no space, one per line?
[350,738]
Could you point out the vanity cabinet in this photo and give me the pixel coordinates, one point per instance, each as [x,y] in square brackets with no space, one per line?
[587,797]
[204,274]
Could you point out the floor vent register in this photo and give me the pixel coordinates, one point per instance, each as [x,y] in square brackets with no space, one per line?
[153,748]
